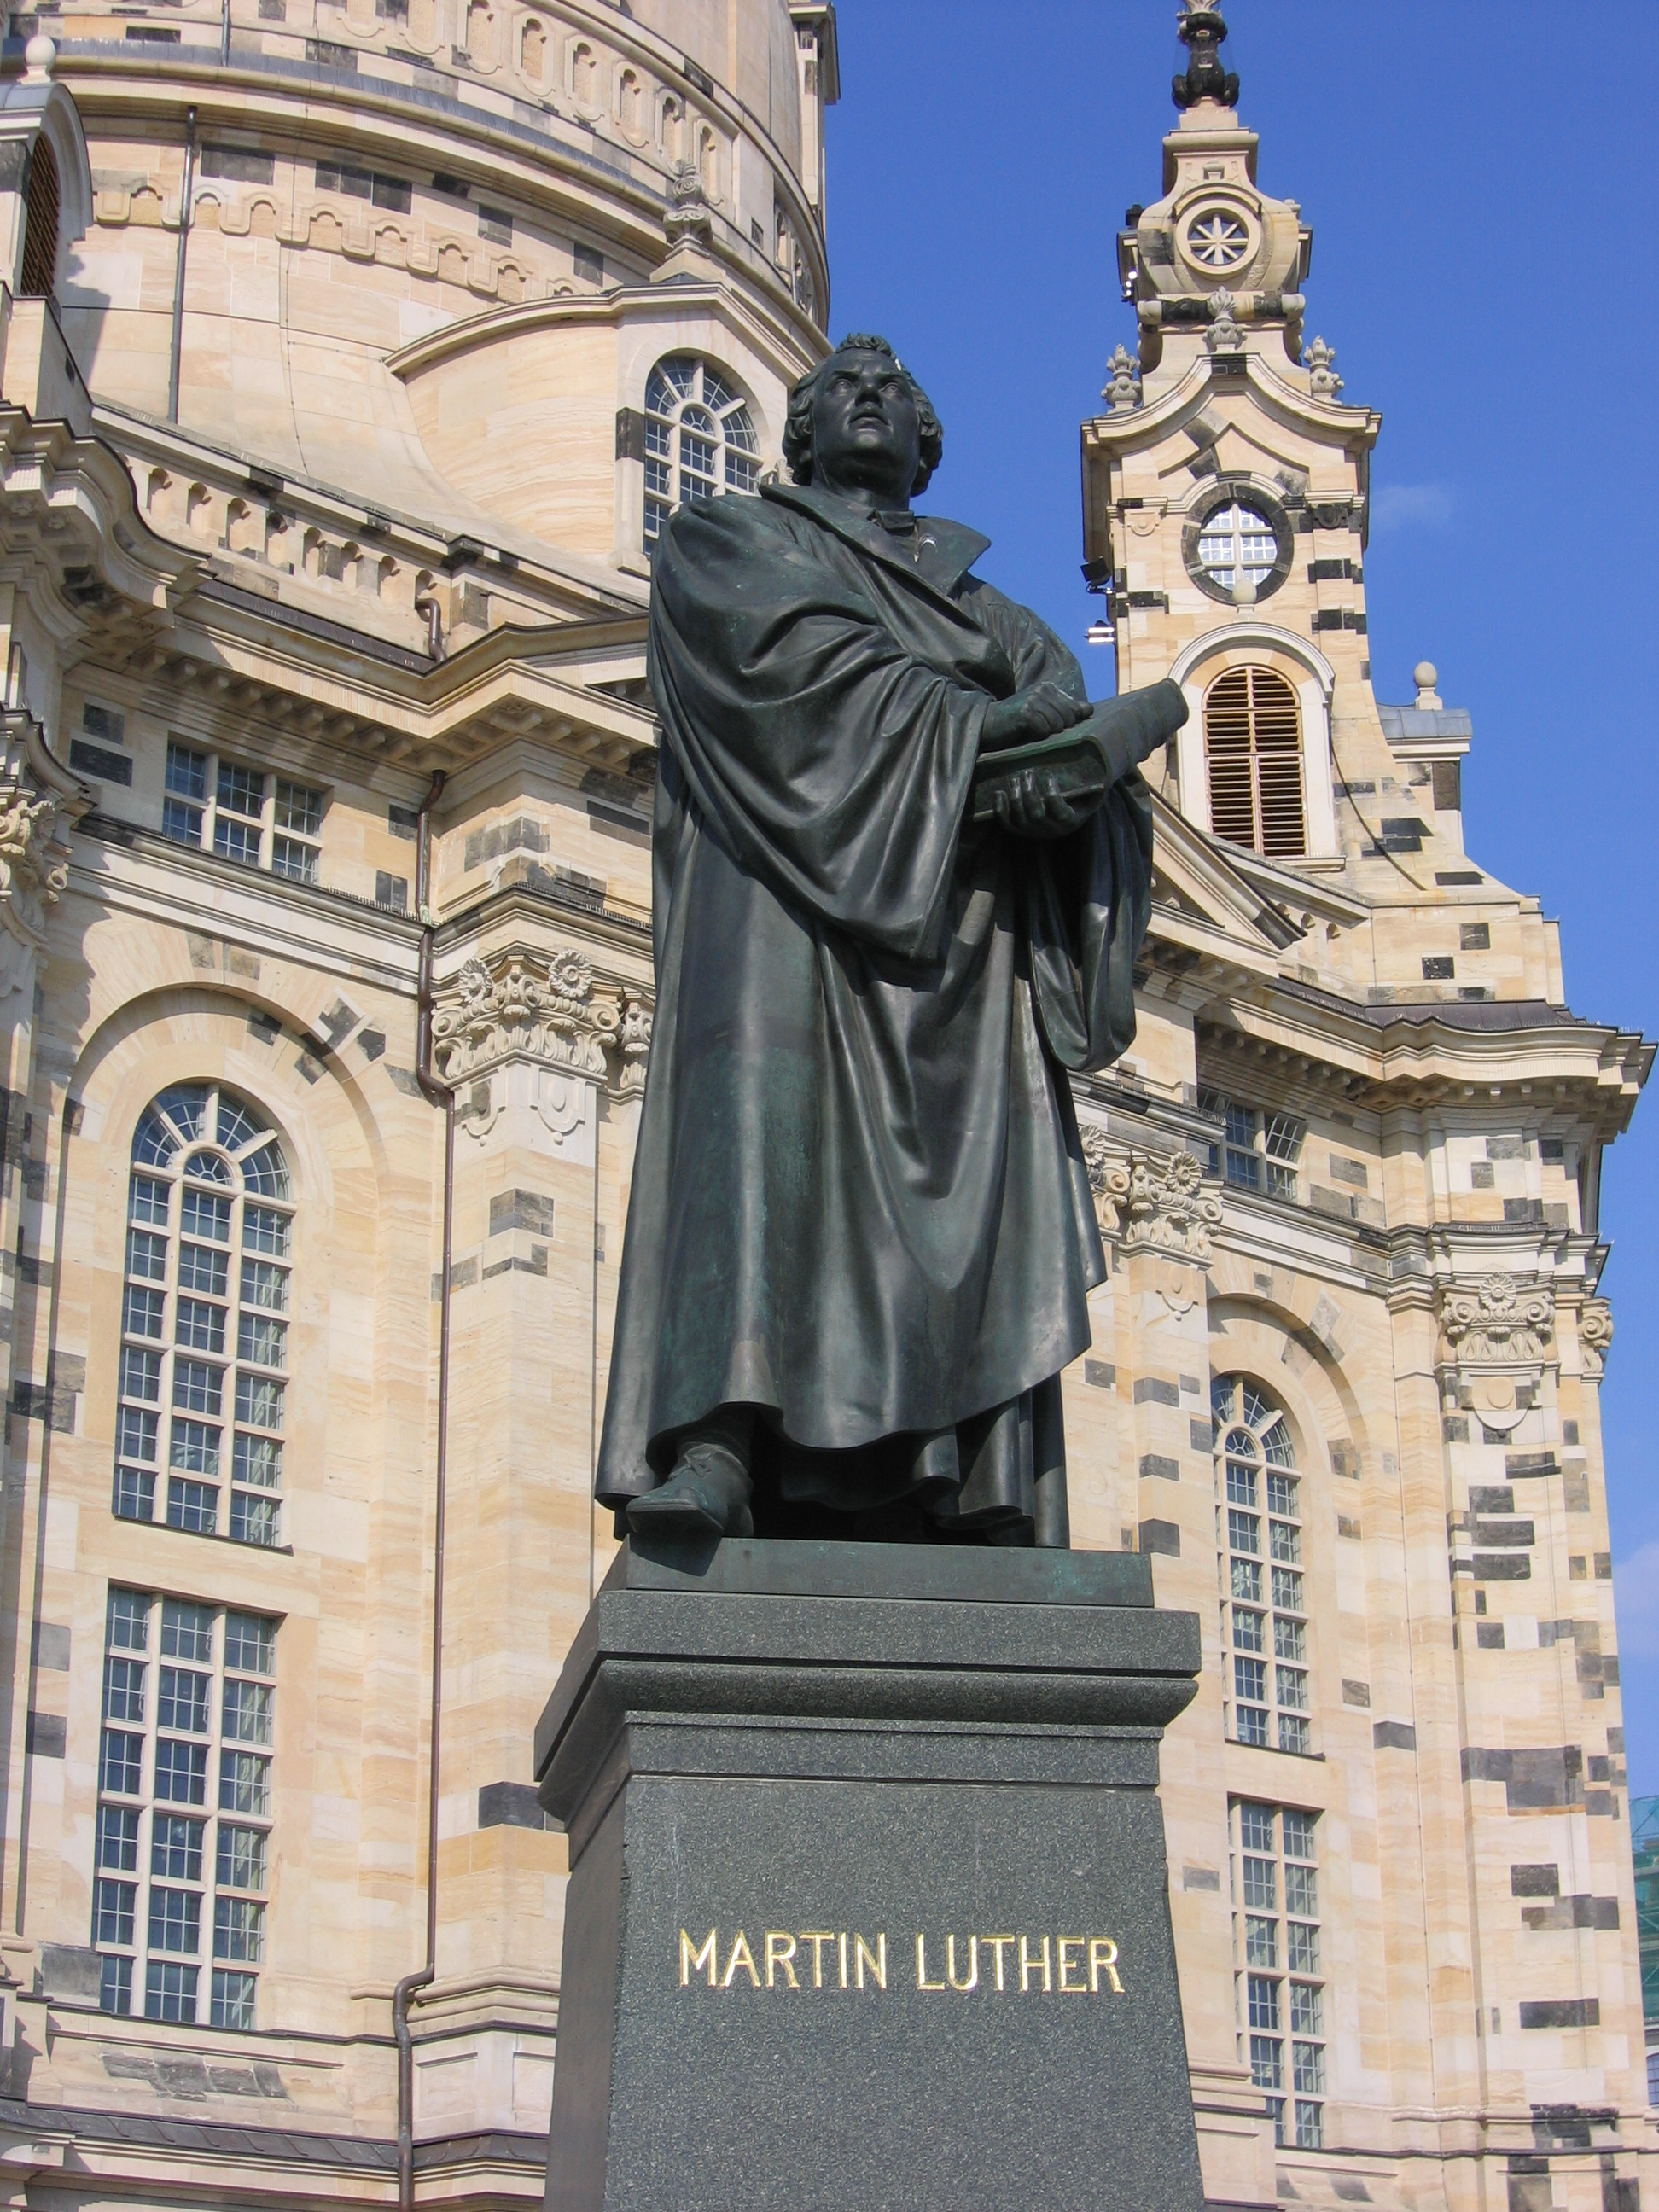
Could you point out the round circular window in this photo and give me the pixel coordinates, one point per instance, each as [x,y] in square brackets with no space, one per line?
[1238,534]
[1218,239]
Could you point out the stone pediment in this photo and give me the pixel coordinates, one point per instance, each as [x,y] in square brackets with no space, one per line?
[1204,906]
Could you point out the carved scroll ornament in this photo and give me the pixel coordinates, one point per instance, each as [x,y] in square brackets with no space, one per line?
[1500,1322]
[1596,1334]
[525,1005]
[40,803]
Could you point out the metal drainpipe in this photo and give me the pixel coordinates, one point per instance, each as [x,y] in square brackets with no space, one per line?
[440,1095]
[176,354]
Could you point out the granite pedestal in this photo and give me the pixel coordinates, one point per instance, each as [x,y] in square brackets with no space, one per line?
[868,1902]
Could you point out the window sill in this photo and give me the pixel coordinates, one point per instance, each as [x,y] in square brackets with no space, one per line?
[1317,1758]
[207,1536]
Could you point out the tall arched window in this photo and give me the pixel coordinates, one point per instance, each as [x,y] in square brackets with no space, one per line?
[1259,1532]
[699,439]
[39,270]
[1253,745]
[203,1318]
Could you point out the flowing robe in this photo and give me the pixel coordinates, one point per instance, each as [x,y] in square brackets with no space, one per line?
[858,1204]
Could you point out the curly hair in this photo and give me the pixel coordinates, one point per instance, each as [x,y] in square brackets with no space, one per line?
[797,426]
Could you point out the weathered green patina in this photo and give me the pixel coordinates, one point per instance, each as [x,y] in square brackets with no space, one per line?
[861,1236]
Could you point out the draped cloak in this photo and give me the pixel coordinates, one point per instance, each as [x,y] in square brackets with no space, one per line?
[858,1204]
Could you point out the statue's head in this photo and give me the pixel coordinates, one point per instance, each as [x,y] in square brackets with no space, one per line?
[861,418]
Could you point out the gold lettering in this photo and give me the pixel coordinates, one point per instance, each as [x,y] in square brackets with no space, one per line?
[1066,1943]
[997,1943]
[1103,1959]
[780,1951]
[693,1962]
[741,1956]
[1028,1966]
[876,1959]
[841,1940]
[818,1937]
[922,1982]
[972,1982]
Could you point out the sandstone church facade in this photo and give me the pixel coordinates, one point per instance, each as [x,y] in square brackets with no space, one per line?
[352,356]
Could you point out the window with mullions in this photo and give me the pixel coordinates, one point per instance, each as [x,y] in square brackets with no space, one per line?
[184,1836]
[1260,1151]
[204,1358]
[1280,1991]
[242,814]
[1259,1535]
[699,439]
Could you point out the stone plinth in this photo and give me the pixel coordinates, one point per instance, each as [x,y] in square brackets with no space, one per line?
[868,1902]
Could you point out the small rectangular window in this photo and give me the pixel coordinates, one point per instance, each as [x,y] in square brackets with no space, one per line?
[259,1401]
[169,1991]
[175,1852]
[114,1904]
[180,1772]
[237,841]
[121,1763]
[250,1643]
[182,1702]
[244,1783]
[135,1494]
[143,1312]
[239,1929]
[243,1858]
[264,1232]
[247,1712]
[299,808]
[203,1271]
[186,1631]
[186,772]
[115,1985]
[201,1326]
[118,1838]
[123,1689]
[192,1505]
[234,1993]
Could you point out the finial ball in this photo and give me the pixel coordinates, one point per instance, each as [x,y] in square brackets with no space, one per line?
[1426,676]
[41,55]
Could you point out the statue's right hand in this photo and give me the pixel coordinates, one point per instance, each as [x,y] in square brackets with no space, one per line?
[1042,710]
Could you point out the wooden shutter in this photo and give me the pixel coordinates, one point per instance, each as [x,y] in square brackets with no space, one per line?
[40,224]
[1253,741]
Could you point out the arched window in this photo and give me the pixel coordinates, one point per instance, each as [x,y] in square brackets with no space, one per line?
[39,270]
[699,439]
[1259,1531]
[1238,540]
[1253,744]
[205,1318]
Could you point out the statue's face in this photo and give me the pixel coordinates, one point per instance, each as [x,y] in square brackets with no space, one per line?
[866,431]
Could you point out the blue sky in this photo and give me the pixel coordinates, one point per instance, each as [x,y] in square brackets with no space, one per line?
[1481,196]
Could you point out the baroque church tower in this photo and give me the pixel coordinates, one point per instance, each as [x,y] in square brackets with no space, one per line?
[1349,1175]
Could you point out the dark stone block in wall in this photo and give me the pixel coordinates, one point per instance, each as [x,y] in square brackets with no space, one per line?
[521,1209]
[1455,1427]
[45,1736]
[1503,1567]
[1525,1463]
[94,760]
[1535,1881]
[1491,1497]
[1153,1389]
[1161,1536]
[1562,2012]
[1355,1693]
[1489,1635]
[1100,1374]
[510,1805]
[1394,1736]
[1202,1434]
[69,1970]
[1503,1535]
[1155,1465]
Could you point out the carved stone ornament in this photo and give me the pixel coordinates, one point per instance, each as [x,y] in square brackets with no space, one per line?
[1122,390]
[631,1049]
[1596,1334]
[1500,1322]
[690,219]
[518,1004]
[1108,1178]
[1223,335]
[1323,379]
[1496,1336]
[40,803]
[1168,1209]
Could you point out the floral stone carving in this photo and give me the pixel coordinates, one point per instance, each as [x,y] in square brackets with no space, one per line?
[515,1005]
[1168,1209]
[1498,1336]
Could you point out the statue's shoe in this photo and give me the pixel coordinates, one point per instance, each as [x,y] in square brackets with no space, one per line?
[706,1495]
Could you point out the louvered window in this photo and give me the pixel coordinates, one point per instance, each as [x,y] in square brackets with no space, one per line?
[1253,743]
[40,224]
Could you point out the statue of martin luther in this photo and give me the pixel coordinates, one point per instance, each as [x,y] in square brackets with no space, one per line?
[860,1236]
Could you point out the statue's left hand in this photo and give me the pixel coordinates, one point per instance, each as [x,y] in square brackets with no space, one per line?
[1026,807]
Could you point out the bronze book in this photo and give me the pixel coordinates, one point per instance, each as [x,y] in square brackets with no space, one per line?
[1084,763]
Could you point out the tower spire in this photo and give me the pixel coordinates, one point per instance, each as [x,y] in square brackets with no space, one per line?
[1202,31]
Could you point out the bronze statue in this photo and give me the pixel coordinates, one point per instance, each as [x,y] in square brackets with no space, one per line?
[861,1237]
